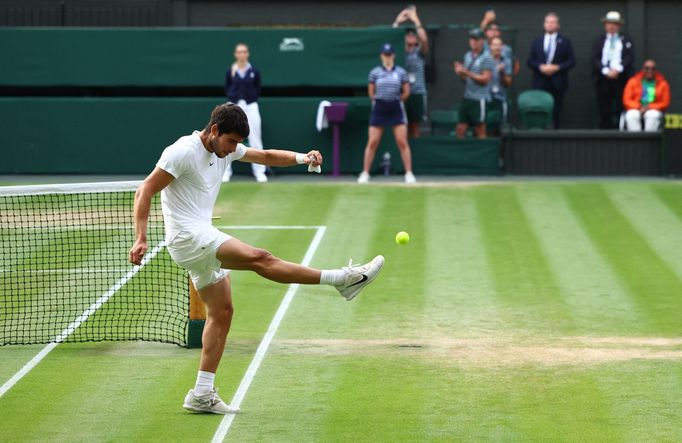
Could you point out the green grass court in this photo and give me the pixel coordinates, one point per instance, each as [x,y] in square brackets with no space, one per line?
[519,311]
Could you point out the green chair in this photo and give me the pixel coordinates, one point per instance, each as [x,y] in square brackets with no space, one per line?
[494,120]
[443,119]
[535,109]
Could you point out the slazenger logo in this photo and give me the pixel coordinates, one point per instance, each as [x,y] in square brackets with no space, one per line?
[291,44]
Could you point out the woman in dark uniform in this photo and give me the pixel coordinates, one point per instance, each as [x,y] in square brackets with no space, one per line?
[388,88]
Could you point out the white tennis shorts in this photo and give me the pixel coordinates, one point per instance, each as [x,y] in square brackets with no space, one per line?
[196,252]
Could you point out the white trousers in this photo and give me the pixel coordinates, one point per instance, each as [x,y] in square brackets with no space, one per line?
[652,120]
[255,141]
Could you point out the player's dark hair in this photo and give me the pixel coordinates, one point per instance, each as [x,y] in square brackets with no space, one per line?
[491,24]
[229,118]
[410,31]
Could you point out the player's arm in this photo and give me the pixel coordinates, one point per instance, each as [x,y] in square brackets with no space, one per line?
[459,70]
[153,184]
[506,75]
[404,91]
[482,79]
[506,80]
[421,32]
[281,158]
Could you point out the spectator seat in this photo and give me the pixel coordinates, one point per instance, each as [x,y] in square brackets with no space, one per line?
[444,119]
[535,108]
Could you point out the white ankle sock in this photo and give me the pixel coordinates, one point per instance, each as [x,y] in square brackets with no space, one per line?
[333,277]
[204,382]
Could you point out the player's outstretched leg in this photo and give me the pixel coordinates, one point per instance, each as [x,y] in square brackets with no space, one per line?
[349,280]
[204,397]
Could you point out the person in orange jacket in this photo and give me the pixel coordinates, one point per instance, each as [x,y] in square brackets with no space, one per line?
[646,96]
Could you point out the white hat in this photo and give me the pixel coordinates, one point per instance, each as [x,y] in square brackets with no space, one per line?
[613,17]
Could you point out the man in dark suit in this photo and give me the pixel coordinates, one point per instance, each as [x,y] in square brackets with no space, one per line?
[551,57]
[612,66]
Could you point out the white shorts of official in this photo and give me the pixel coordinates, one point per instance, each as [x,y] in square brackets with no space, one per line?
[196,252]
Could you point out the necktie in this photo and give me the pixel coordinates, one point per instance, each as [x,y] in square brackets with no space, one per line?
[549,49]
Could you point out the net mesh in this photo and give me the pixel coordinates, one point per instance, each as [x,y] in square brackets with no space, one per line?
[64,273]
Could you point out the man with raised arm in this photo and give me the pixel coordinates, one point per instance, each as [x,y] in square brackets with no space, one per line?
[189,175]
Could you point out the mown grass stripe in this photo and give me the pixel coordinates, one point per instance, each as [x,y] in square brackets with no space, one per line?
[598,302]
[525,285]
[393,306]
[651,283]
[364,409]
[399,291]
[528,287]
[653,219]
[645,399]
[671,196]
[459,288]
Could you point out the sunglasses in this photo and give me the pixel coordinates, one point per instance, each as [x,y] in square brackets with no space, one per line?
[412,45]
[649,68]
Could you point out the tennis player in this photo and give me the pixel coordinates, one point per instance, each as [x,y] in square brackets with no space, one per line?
[189,175]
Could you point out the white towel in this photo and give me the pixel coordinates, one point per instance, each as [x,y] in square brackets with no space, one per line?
[321,122]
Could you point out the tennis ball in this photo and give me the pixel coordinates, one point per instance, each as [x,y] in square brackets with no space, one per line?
[402,238]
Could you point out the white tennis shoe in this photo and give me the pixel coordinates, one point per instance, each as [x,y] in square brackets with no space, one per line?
[209,403]
[359,276]
[410,179]
[363,178]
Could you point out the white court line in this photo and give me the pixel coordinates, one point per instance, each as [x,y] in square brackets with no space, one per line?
[78,321]
[226,422]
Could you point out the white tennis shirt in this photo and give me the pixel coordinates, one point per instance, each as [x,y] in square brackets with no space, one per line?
[187,202]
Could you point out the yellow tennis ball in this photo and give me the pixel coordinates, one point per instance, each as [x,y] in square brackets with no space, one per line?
[402,238]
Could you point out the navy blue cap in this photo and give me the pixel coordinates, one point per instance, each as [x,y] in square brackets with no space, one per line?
[387,48]
[476,33]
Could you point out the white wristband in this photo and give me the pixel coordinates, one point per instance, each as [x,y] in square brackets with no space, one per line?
[300,158]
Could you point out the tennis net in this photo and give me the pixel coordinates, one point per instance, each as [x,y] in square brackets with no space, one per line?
[64,270]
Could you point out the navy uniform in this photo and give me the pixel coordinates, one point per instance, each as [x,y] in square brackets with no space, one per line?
[242,87]
[387,109]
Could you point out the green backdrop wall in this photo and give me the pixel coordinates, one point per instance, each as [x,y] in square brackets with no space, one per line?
[127,135]
[189,56]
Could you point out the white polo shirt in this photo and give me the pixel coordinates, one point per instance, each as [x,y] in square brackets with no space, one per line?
[187,202]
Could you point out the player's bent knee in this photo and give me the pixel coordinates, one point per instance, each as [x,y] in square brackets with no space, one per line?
[223,314]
